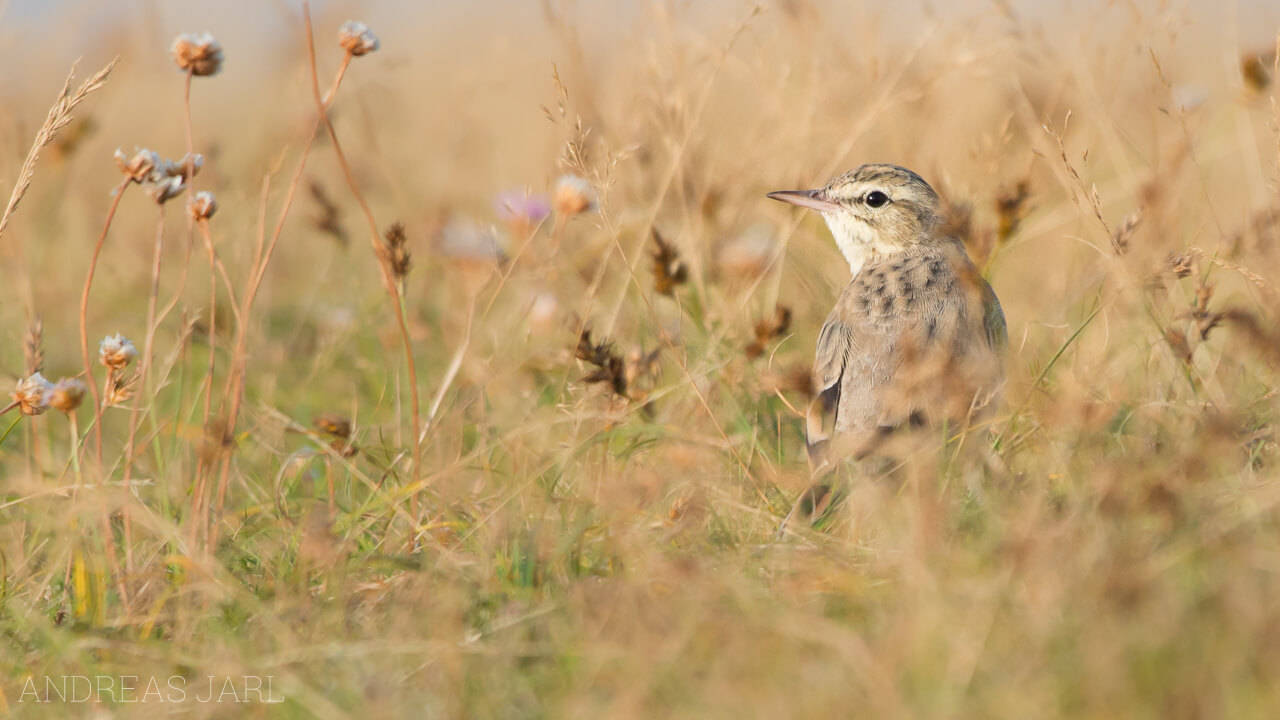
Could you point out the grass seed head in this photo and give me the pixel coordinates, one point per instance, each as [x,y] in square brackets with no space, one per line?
[329,218]
[198,54]
[357,39]
[32,394]
[119,388]
[394,251]
[66,395]
[33,346]
[116,352]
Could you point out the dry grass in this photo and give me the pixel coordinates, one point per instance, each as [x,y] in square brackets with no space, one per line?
[551,523]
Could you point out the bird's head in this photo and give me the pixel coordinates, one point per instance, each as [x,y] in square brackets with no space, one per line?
[874,211]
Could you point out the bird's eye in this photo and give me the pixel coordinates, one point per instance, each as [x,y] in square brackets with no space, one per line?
[876,199]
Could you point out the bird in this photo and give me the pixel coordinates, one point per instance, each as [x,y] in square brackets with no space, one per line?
[917,337]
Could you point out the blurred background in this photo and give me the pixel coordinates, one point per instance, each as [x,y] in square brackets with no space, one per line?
[1107,550]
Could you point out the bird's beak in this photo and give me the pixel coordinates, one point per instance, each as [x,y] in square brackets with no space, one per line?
[811,199]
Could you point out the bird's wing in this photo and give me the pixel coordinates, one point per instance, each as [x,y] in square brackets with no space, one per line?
[993,318]
[834,345]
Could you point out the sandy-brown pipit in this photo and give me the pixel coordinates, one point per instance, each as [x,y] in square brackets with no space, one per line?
[916,338]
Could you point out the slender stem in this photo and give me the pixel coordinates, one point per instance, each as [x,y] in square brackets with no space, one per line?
[388,280]
[84,309]
[75,452]
[144,370]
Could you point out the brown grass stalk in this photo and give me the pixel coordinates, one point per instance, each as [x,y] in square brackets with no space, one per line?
[84,310]
[59,116]
[388,280]
[144,370]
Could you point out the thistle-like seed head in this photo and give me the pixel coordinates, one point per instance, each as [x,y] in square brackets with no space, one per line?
[140,166]
[202,206]
[116,352]
[357,39]
[199,54]
[66,395]
[573,196]
[32,394]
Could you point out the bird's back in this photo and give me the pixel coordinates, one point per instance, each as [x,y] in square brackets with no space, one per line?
[915,339]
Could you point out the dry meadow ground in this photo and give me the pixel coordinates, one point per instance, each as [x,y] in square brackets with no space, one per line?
[587,527]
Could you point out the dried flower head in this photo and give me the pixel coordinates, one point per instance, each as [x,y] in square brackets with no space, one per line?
[522,206]
[394,252]
[338,428]
[522,211]
[198,54]
[1011,208]
[573,196]
[116,352]
[140,166]
[768,330]
[668,269]
[66,395]
[202,206]
[1256,69]
[165,188]
[331,424]
[610,367]
[357,39]
[186,168]
[32,394]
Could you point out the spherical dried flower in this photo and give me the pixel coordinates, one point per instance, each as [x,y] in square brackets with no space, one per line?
[116,352]
[140,166]
[202,206]
[199,54]
[573,196]
[357,39]
[66,395]
[32,394]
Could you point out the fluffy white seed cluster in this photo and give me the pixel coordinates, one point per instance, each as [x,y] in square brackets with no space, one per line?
[160,178]
[357,39]
[116,352]
[199,54]
[32,394]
